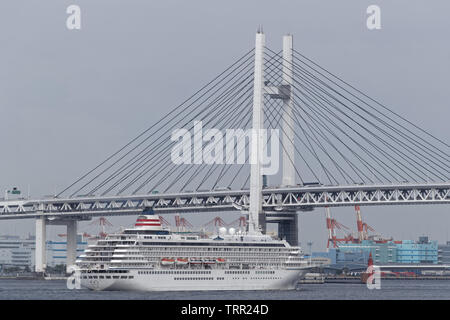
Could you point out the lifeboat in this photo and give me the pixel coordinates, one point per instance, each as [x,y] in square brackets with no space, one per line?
[182,261]
[220,260]
[195,261]
[209,261]
[167,261]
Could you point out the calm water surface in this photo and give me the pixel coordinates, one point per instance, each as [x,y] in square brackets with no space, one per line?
[390,289]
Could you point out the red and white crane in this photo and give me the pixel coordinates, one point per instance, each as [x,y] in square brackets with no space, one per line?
[364,228]
[332,225]
[216,222]
[181,223]
[103,223]
[240,222]
[359,223]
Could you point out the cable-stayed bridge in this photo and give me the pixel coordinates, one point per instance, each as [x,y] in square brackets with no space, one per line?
[337,147]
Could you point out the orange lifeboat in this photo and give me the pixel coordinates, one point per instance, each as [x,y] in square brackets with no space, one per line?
[182,261]
[220,260]
[167,261]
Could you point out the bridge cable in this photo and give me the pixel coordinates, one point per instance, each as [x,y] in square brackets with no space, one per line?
[404,146]
[237,117]
[373,100]
[310,150]
[403,135]
[216,108]
[178,122]
[389,145]
[338,167]
[369,121]
[144,158]
[227,70]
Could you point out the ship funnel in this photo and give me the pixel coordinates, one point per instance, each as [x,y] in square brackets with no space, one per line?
[151,222]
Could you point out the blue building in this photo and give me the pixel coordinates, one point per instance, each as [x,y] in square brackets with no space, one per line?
[342,259]
[382,253]
[444,253]
[416,252]
[58,250]
[356,255]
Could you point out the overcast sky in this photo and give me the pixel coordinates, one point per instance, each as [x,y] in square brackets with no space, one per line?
[70,98]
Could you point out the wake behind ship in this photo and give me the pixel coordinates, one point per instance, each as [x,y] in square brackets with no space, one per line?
[149,257]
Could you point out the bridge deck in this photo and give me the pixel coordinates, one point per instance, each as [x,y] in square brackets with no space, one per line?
[285,199]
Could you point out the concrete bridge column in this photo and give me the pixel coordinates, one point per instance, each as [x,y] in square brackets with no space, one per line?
[262,222]
[288,152]
[41,239]
[288,227]
[71,248]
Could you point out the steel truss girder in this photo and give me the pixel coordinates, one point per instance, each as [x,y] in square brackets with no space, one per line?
[279,199]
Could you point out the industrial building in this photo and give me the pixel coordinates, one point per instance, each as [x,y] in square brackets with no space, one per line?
[16,252]
[382,253]
[352,249]
[20,252]
[418,252]
[355,255]
[444,253]
[58,250]
[344,260]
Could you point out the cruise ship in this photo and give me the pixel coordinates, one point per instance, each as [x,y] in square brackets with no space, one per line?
[149,257]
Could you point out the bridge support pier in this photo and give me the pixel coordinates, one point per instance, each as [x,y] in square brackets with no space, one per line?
[71,239]
[40,251]
[288,229]
[41,240]
[71,248]
[287,225]
[262,222]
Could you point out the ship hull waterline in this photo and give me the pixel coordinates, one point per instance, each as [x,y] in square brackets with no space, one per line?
[281,280]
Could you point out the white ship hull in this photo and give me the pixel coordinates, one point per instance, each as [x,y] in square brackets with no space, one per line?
[215,279]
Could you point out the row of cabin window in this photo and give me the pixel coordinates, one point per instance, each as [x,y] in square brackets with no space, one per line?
[195,278]
[107,277]
[175,272]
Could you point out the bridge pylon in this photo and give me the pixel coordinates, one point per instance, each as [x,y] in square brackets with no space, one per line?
[287,228]
[257,141]
[288,154]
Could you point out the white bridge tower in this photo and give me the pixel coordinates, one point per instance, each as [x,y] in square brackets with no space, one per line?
[257,221]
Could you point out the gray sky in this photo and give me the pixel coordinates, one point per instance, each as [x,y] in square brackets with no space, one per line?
[70,98]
